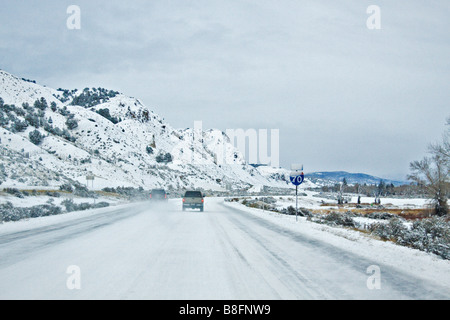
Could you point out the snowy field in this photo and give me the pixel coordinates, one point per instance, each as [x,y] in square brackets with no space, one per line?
[314,200]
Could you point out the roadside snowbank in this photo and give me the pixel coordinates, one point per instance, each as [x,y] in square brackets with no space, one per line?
[32,223]
[415,262]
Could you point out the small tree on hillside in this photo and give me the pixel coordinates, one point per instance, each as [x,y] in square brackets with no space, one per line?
[71,123]
[164,158]
[53,106]
[36,137]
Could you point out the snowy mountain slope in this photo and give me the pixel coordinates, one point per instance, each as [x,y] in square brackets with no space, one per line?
[17,91]
[17,169]
[117,139]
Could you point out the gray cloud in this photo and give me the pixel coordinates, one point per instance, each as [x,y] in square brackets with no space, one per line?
[344,97]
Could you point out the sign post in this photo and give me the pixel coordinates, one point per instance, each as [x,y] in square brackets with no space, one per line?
[296,178]
[90,178]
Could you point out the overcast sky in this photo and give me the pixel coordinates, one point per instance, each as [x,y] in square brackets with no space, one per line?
[344,97]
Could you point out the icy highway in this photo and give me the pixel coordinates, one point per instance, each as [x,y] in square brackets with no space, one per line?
[141,251]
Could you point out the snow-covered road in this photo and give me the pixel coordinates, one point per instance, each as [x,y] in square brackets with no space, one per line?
[141,251]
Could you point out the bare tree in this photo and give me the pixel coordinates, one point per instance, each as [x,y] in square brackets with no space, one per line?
[443,148]
[342,187]
[432,173]
[358,189]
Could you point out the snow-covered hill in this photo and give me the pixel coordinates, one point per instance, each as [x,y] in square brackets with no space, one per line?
[61,135]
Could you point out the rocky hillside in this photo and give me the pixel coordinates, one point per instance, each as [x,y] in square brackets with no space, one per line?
[50,137]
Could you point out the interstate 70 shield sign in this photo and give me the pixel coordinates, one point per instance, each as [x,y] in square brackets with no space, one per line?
[297,178]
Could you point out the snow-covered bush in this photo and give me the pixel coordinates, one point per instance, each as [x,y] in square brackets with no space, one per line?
[92,97]
[32,119]
[434,236]
[41,104]
[36,137]
[3,174]
[53,194]
[64,133]
[43,210]
[303,212]
[10,213]
[430,235]
[290,210]
[14,192]
[380,215]
[393,230]
[338,219]
[83,191]
[105,113]
[164,157]
[66,187]
[270,200]
[4,120]
[71,123]
[130,192]
[19,126]
[72,206]
[53,106]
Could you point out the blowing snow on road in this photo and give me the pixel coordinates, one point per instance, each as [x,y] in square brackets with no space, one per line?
[141,251]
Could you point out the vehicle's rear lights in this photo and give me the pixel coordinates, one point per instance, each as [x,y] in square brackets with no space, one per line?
[150,196]
[165,196]
[203,200]
[184,199]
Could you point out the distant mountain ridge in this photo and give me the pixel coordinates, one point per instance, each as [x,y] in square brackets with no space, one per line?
[331,177]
